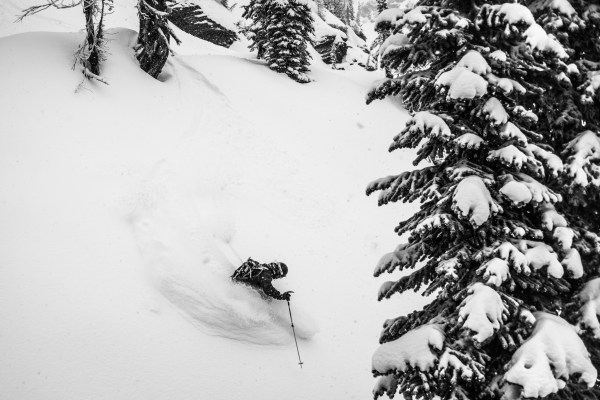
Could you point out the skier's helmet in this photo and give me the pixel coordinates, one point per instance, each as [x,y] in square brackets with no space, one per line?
[283,268]
[279,269]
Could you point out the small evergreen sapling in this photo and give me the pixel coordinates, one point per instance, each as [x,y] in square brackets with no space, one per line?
[289,33]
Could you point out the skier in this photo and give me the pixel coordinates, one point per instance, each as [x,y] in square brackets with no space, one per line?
[259,276]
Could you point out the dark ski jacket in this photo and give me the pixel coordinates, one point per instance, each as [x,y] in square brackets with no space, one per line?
[259,276]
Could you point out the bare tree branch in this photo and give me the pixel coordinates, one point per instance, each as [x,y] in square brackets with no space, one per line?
[59,4]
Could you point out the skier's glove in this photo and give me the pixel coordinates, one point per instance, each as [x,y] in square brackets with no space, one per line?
[287,295]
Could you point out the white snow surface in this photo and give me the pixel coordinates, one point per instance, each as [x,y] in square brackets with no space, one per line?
[549,357]
[127,206]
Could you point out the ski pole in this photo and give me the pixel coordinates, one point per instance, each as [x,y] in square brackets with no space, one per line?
[294,331]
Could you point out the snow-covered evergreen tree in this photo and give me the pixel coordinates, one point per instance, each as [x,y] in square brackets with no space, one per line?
[381,6]
[488,244]
[576,24]
[257,13]
[152,49]
[289,32]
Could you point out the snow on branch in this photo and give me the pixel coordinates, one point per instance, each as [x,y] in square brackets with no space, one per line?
[465,168]
[524,257]
[549,357]
[454,363]
[522,189]
[482,311]
[404,256]
[429,124]
[495,271]
[591,87]
[474,62]
[572,263]
[387,384]
[518,20]
[584,157]
[553,162]
[407,186]
[462,83]
[540,256]
[472,199]
[414,349]
[590,310]
[507,85]
[388,16]
[539,40]
[551,218]
[469,141]
[511,13]
[517,158]
[562,6]
[414,16]
[495,112]
[510,131]
[395,41]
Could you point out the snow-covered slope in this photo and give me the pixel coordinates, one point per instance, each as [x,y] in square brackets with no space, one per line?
[125,208]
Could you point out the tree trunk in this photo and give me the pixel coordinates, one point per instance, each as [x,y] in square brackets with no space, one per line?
[91,56]
[152,49]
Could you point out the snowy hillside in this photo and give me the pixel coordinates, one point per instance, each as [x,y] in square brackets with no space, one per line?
[126,207]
